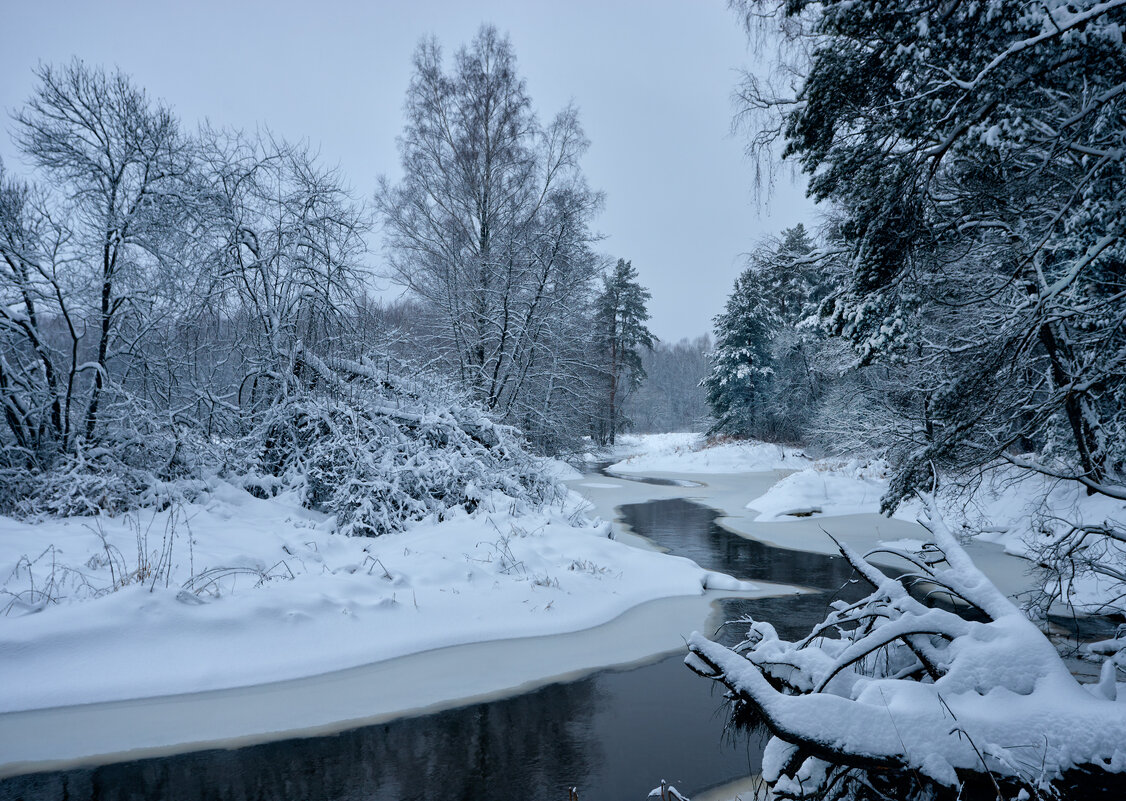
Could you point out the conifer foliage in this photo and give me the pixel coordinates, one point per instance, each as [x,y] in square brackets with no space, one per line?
[975,152]
[620,315]
[761,380]
[741,363]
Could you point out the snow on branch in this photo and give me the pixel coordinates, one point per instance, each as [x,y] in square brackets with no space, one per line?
[938,695]
[380,452]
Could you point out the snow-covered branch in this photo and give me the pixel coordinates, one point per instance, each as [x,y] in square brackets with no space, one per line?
[894,686]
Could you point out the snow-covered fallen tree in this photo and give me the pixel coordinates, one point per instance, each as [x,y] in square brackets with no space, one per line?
[381,451]
[933,685]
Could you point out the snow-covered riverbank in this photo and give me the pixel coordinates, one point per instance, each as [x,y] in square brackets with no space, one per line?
[1008,516]
[290,628]
[62,737]
[262,590]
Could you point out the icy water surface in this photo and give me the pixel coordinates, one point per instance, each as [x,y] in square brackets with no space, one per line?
[614,734]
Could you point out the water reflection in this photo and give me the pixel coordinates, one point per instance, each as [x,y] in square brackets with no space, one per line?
[690,529]
[614,735]
[603,468]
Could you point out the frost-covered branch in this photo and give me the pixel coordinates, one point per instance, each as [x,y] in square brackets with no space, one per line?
[995,700]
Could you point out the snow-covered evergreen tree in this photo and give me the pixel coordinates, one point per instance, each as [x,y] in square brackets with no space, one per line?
[762,379]
[974,152]
[974,156]
[741,361]
[620,315]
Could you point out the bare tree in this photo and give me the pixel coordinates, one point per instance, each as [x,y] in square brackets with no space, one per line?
[490,225]
[39,361]
[118,160]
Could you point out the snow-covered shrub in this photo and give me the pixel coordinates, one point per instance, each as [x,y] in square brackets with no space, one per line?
[935,685]
[138,460]
[376,450]
[379,451]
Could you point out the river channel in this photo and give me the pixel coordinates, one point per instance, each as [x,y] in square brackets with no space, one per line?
[613,734]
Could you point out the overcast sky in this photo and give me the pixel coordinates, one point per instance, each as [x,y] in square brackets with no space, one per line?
[652,80]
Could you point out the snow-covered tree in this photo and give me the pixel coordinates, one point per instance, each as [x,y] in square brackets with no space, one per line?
[740,363]
[761,358]
[948,692]
[118,160]
[620,315]
[175,305]
[974,153]
[490,227]
[85,258]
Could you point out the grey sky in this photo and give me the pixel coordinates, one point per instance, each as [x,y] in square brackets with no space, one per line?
[652,80]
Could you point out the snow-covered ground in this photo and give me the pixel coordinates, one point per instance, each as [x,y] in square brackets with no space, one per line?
[424,682]
[824,490]
[197,601]
[237,591]
[1008,509]
[688,453]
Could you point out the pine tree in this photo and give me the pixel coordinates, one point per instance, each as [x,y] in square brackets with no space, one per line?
[741,363]
[973,153]
[790,284]
[621,315]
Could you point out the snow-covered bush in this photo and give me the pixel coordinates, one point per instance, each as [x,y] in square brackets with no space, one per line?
[376,450]
[934,685]
[380,452]
[139,460]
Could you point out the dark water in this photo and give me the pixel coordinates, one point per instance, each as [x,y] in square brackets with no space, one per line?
[603,468]
[659,482]
[614,734]
[690,529]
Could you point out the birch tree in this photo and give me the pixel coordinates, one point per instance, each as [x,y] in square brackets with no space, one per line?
[118,161]
[490,224]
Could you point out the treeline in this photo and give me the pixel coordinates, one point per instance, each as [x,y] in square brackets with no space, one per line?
[671,397]
[175,302]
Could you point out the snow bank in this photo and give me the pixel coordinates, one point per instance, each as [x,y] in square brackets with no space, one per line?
[1024,512]
[1012,507]
[826,489]
[690,453]
[234,590]
[1030,514]
[559,470]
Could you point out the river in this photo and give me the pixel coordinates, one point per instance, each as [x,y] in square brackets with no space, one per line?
[613,734]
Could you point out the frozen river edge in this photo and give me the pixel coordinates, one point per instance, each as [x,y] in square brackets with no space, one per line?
[427,681]
[70,736]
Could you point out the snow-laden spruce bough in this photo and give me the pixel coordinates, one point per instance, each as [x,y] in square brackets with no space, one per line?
[934,684]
